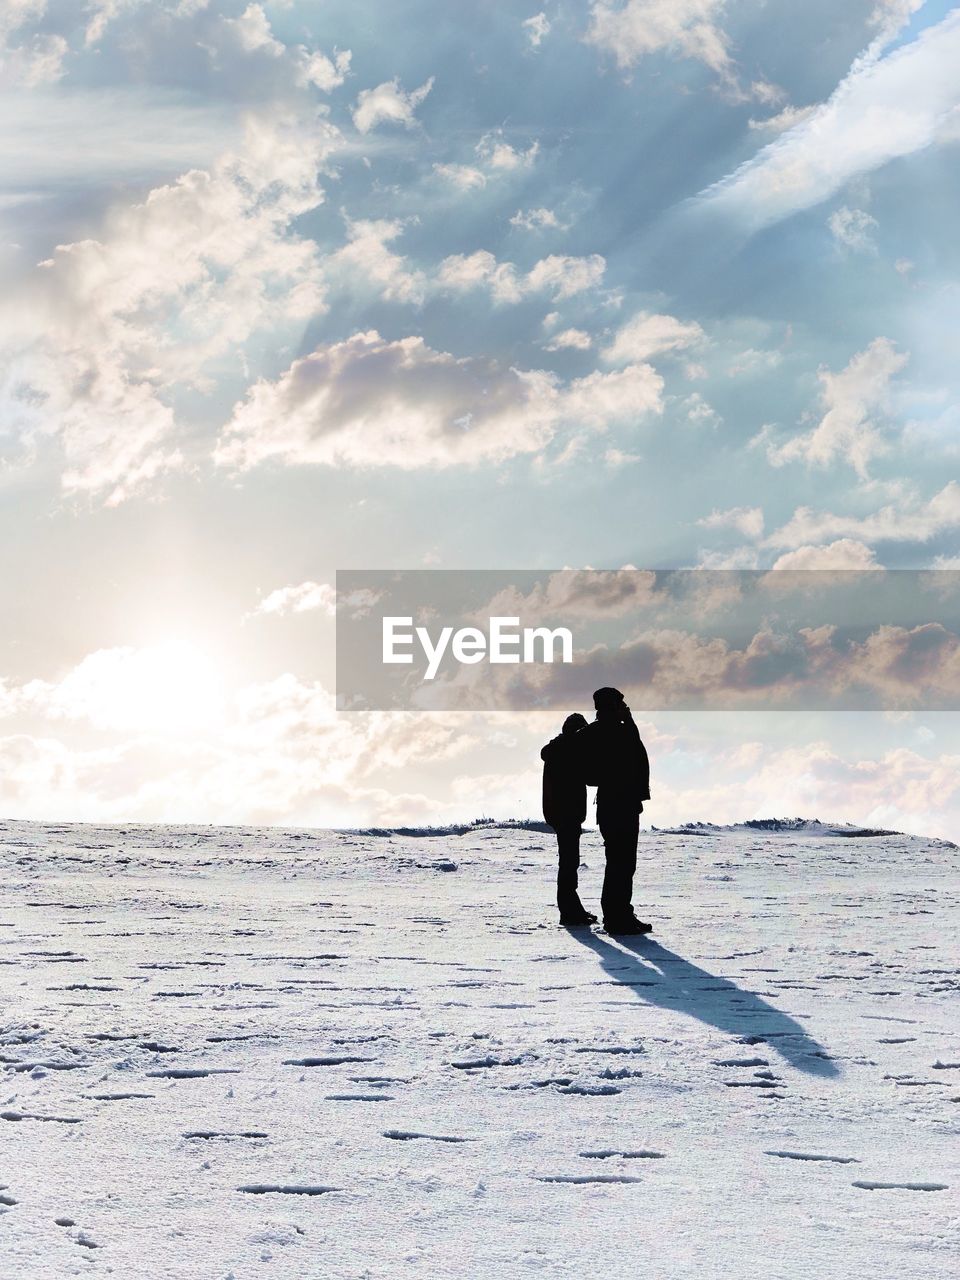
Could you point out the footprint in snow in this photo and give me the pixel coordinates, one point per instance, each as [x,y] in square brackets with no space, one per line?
[592,1090]
[577,1179]
[809,1155]
[625,1155]
[408,1135]
[327,1061]
[359,1097]
[867,1185]
[285,1189]
[193,1073]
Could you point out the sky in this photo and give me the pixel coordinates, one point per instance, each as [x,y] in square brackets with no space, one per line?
[290,288]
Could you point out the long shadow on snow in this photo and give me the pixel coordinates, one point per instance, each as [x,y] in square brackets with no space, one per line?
[663,978]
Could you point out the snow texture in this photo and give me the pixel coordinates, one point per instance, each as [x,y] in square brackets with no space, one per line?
[233,1053]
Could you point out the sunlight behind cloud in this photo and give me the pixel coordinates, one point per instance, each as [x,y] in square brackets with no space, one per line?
[172,687]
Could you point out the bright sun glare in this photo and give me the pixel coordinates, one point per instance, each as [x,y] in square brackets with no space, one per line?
[172,687]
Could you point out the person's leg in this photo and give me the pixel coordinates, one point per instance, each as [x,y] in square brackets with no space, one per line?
[611,895]
[631,834]
[619,832]
[568,854]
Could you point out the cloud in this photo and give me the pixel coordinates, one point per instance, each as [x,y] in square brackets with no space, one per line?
[909,521]
[570,340]
[890,16]
[852,228]
[301,598]
[700,411]
[366,255]
[601,398]
[28,59]
[563,276]
[852,398]
[751,361]
[461,272]
[845,553]
[886,107]
[536,28]
[497,153]
[101,335]
[650,334]
[254,35]
[463,176]
[688,28]
[800,667]
[368,402]
[497,158]
[168,688]
[535,219]
[576,594]
[788,118]
[746,520]
[253,31]
[557,275]
[388,104]
[273,751]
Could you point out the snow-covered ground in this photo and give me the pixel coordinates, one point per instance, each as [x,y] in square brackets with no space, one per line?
[251,1053]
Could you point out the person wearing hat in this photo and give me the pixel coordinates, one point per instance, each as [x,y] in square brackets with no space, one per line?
[614,759]
[564,809]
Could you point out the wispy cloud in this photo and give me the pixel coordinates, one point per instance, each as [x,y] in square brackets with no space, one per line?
[888,106]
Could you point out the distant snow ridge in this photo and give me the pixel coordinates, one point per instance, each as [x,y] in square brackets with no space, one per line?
[454,829]
[775,826]
[786,826]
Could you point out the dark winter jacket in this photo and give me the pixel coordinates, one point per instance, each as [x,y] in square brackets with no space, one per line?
[613,759]
[564,789]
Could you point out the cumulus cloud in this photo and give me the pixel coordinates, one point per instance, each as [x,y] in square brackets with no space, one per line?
[557,275]
[888,106]
[910,520]
[388,103]
[852,400]
[367,255]
[570,340]
[601,398]
[650,334]
[105,330]
[746,520]
[845,553]
[637,28]
[303,597]
[535,219]
[801,667]
[367,402]
[254,35]
[495,152]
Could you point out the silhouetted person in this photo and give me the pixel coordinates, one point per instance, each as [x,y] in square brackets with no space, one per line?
[564,808]
[615,761]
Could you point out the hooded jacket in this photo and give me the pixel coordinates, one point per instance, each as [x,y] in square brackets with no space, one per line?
[564,788]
